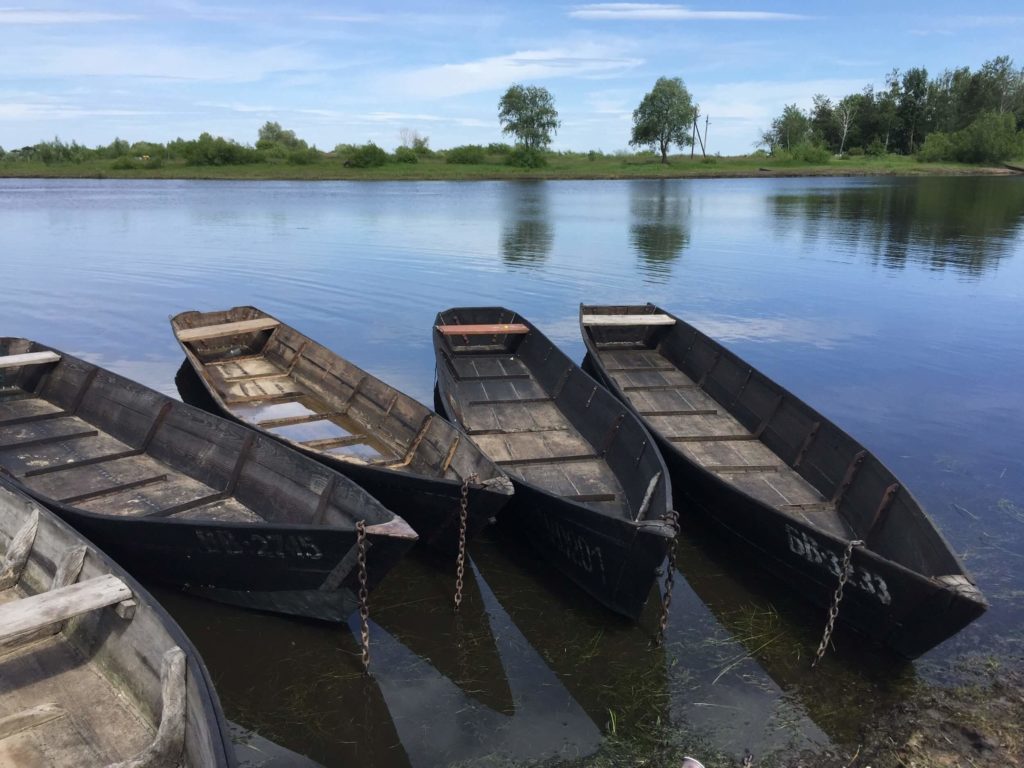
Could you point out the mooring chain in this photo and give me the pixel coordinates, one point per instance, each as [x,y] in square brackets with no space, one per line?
[833,611]
[364,603]
[672,518]
[460,561]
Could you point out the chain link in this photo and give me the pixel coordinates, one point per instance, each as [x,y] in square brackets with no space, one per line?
[833,611]
[460,561]
[672,518]
[364,606]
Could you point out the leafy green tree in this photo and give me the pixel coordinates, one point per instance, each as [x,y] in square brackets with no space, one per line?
[913,102]
[528,113]
[664,117]
[789,130]
[823,121]
[272,134]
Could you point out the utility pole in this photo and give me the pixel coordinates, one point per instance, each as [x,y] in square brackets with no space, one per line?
[705,144]
[693,135]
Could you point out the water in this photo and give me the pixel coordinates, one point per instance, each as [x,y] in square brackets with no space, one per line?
[892,305]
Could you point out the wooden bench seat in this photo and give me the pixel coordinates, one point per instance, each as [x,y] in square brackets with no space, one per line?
[38,611]
[483,330]
[627,320]
[29,358]
[227,329]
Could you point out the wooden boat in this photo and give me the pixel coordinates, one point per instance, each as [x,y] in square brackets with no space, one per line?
[93,672]
[591,492]
[777,475]
[265,374]
[180,496]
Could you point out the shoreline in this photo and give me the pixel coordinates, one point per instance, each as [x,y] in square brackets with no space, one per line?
[439,171]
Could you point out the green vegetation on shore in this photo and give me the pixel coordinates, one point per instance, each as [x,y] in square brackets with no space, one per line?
[563,165]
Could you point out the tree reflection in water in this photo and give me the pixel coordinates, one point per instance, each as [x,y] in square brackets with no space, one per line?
[660,226]
[527,233]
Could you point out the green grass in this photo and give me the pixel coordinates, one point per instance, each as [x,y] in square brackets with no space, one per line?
[560,166]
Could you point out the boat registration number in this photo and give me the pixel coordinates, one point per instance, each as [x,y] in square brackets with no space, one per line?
[270,545]
[807,547]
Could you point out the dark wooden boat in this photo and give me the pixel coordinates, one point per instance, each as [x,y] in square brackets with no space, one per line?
[269,376]
[93,672]
[591,492]
[184,497]
[776,474]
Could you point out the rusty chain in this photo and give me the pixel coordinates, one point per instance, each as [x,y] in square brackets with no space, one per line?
[364,606]
[833,611]
[672,518]
[460,561]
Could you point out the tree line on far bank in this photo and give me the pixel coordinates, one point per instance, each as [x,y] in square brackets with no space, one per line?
[962,115]
[965,116]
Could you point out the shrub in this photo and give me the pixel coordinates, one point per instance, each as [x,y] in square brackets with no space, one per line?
[207,150]
[367,156]
[406,155]
[990,138]
[304,156]
[420,145]
[527,157]
[855,152]
[468,154]
[937,146]
[811,153]
[499,148]
[124,163]
[594,154]
[876,148]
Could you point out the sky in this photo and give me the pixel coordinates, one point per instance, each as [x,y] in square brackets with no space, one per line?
[340,72]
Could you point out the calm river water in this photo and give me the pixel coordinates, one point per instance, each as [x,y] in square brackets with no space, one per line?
[895,306]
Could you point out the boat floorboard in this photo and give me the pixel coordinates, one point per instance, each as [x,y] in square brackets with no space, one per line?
[292,411]
[729,450]
[94,724]
[520,428]
[125,485]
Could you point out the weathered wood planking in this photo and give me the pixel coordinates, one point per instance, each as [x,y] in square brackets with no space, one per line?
[28,358]
[784,481]
[38,611]
[301,393]
[483,329]
[628,320]
[226,329]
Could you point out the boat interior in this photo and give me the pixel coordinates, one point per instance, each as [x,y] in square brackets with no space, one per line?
[88,676]
[755,436]
[86,437]
[542,419]
[272,377]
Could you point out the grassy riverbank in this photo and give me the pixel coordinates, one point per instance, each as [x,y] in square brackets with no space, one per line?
[560,166]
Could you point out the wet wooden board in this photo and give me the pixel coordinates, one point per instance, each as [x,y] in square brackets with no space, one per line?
[517,448]
[23,411]
[513,417]
[475,368]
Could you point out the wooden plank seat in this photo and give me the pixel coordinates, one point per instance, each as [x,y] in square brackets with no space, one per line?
[627,320]
[226,329]
[38,611]
[487,329]
[29,358]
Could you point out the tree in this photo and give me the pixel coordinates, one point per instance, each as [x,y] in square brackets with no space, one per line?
[272,134]
[528,113]
[913,103]
[664,117]
[824,120]
[845,112]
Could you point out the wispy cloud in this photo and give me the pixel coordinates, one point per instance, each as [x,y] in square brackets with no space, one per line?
[583,60]
[669,12]
[194,63]
[21,16]
[54,111]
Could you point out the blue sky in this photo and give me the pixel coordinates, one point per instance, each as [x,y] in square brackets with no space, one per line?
[351,72]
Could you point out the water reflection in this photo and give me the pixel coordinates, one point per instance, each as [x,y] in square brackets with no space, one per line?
[750,644]
[660,227]
[968,226]
[526,233]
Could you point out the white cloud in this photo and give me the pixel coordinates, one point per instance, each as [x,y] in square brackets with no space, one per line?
[21,16]
[584,60]
[168,62]
[667,12]
[54,111]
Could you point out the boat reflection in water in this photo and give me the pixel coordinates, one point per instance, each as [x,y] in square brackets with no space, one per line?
[747,649]
[444,688]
